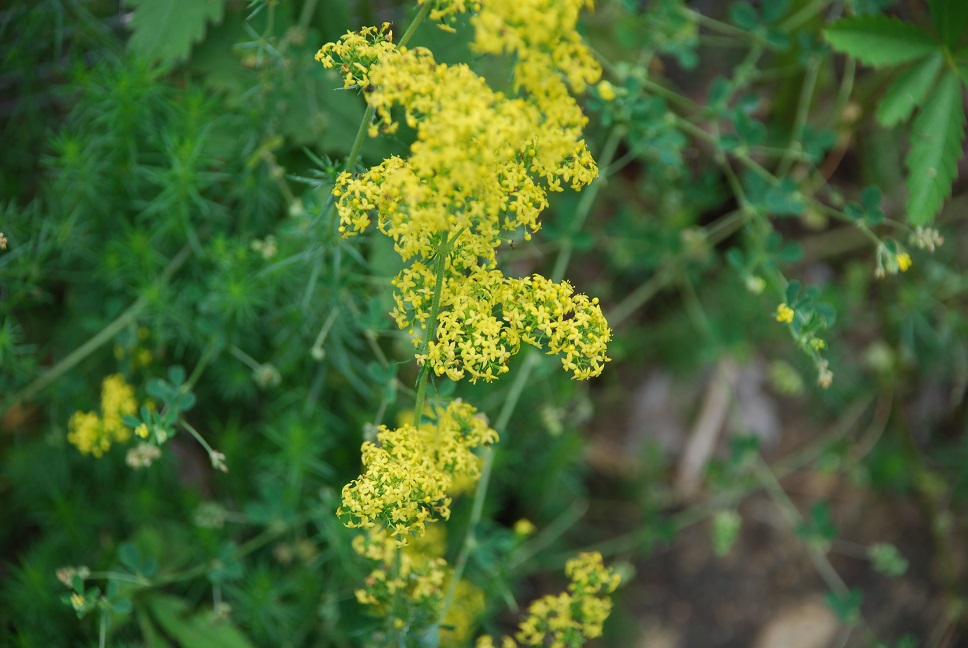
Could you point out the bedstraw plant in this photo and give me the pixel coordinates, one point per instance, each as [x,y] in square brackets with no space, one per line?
[321,321]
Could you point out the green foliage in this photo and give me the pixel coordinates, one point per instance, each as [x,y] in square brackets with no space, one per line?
[887,559]
[879,40]
[163,31]
[939,129]
[936,147]
[165,205]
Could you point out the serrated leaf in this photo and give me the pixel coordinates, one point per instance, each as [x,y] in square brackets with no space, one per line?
[879,40]
[163,31]
[935,148]
[909,90]
[950,18]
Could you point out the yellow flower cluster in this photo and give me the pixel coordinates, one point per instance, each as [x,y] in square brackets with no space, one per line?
[446,11]
[357,53]
[408,575]
[481,166]
[93,434]
[540,35]
[784,314]
[408,473]
[569,619]
[485,317]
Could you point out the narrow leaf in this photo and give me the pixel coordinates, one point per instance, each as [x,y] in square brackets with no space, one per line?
[165,30]
[909,91]
[935,148]
[950,18]
[879,40]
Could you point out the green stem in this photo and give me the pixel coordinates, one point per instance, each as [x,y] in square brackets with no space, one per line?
[102,639]
[106,334]
[419,18]
[773,488]
[800,121]
[585,205]
[440,267]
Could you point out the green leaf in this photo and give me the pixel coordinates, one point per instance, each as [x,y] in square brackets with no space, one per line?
[165,30]
[887,559]
[846,606]
[879,40]
[744,15]
[726,527]
[935,149]
[909,90]
[950,17]
[190,630]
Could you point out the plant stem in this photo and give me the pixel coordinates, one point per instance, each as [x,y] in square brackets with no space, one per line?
[440,268]
[419,18]
[92,345]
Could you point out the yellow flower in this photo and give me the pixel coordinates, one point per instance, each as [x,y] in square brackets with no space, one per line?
[903,261]
[524,527]
[93,434]
[784,314]
[606,91]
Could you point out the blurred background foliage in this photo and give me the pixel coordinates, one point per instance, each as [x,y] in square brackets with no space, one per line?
[166,167]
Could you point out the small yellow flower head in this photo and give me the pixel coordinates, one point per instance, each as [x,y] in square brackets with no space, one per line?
[446,11]
[93,434]
[142,431]
[818,344]
[524,528]
[77,601]
[784,314]
[903,261]
[606,91]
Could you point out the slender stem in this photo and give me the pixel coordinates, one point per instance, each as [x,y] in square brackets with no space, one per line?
[212,453]
[789,509]
[245,358]
[419,18]
[92,345]
[585,205]
[354,155]
[102,639]
[800,121]
[200,367]
[443,251]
